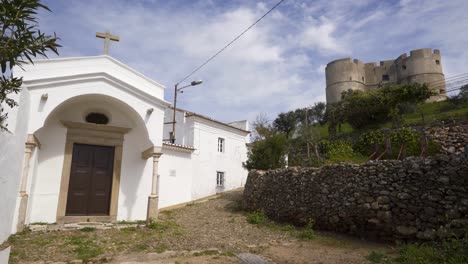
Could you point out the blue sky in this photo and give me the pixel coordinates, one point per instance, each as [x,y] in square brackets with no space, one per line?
[278,65]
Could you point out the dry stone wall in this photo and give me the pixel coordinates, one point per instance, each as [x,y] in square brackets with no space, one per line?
[412,199]
[452,139]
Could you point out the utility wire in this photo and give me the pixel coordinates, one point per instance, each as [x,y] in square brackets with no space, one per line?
[229,44]
[452,78]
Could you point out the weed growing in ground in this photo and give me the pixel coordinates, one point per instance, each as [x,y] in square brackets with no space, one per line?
[137,222]
[257,218]
[165,226]
[308,232]
[452,251]
[128,229]
[141,247]
[85,249]
[206,253]
[161,248]
[88,229]
[377,257]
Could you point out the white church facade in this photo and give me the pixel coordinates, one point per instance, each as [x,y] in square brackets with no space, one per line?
[89,142]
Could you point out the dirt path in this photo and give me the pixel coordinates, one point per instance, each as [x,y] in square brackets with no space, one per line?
[214,231]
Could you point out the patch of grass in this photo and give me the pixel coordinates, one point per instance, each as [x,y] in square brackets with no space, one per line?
[451,251]
[308,232]
[128,229]
[190,204]
[257,218]
[141,247]
[164,226]
[206,253]
[85,248]
[88,229]
[377,257]
[228,254]
[417,254]
[161,248]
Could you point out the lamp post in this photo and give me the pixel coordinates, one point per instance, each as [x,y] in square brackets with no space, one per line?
[176,91]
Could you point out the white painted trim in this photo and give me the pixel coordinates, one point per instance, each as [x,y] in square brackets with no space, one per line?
[99,76]
[43,61]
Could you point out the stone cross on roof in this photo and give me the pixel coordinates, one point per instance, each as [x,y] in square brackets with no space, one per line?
[107,38]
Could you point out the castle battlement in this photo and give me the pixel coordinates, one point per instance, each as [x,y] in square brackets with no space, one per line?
[421,66]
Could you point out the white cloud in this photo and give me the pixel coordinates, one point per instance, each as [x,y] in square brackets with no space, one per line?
[276,66]
[320,37]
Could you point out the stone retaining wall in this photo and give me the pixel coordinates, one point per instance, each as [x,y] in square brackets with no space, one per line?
[390,200]
[452,139]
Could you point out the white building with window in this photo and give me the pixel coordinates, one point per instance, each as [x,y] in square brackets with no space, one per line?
[213,148]
[89,142]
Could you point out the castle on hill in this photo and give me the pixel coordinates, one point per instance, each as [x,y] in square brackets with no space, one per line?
[422,66]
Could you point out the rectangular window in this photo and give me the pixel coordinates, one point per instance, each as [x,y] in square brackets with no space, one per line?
[437,62]
[220,179]
[220,144]
[385,77]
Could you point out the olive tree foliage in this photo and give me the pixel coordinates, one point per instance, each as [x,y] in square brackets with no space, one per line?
[365,109]
[286,123]
[20,42]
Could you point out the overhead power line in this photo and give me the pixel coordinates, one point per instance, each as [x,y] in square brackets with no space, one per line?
[229,44]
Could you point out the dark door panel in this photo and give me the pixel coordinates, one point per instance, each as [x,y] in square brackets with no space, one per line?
[89,190]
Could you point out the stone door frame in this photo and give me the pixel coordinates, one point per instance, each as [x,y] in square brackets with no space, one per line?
[92,134]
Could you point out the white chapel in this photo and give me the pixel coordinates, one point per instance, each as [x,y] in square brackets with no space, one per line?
[90,141]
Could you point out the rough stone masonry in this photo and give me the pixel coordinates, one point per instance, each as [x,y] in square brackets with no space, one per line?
[412,199]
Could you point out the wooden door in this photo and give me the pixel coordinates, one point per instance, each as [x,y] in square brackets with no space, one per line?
[89,189]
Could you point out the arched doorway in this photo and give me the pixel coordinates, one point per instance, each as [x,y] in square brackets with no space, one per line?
[89,166]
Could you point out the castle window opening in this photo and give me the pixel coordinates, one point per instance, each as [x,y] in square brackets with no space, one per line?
[385,77]
[362,78]
[350,78]
[438,62]
[404,67]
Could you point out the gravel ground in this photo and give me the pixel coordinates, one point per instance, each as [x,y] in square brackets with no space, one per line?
[213,231]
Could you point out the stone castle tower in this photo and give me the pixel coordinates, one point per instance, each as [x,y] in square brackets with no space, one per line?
[422,66]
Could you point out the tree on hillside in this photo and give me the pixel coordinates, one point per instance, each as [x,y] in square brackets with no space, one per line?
[363,109]
[286,122]
[20,42]
[463,92]
[312,114]
[335,117]
[268,153]
[262,128]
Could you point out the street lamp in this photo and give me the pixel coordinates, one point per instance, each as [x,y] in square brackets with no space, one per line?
[176,91]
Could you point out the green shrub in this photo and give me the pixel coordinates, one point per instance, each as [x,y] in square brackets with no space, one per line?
[340,151]
[257,218]
[267,154]
[308,232]
[376,257]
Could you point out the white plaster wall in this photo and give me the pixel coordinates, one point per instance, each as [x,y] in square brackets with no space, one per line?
[63,79]
[207,160]
[60,67]
[135,182]
[175,180]
[184,127]
[11,162]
